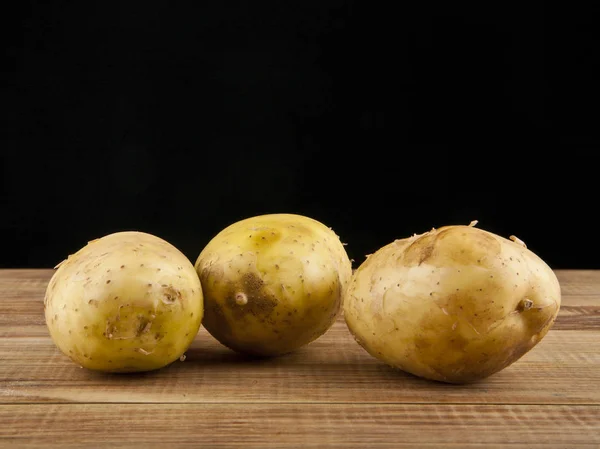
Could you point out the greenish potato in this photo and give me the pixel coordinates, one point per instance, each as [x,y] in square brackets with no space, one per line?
[456,304]
[126,302]
[272,283]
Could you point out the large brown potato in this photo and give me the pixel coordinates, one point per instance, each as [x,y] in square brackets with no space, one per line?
[455,304]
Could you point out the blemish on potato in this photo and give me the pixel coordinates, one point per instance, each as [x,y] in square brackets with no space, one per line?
[170,294]
[143,351]
[143,326]
[241,298]
[524,304]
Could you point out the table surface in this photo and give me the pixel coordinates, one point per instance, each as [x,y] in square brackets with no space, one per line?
[331,393]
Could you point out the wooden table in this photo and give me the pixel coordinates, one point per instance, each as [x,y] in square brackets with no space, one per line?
[329,394]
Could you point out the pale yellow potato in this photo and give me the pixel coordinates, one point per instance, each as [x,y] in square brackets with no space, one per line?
[127,302]
[272,283]
[455,304]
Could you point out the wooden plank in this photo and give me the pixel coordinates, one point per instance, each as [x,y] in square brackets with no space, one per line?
[330,393]
[579,282]
[298,425]
[561,369]
[578,317]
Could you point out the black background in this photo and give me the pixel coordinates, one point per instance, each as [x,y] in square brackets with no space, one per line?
[379,119]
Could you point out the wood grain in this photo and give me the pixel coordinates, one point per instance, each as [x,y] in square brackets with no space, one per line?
[299,426]
[333,369]
[330,393]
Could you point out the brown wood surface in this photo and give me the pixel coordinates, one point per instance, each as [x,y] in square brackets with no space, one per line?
[329,394]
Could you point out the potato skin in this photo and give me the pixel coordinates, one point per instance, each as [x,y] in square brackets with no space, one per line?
[456,304]
[126,302]
[272,283]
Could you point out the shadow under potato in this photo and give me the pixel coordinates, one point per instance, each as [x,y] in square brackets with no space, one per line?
[315,362]
[390,371]
[304,365]
[219,355]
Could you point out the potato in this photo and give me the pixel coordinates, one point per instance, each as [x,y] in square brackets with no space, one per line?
[127,302]
[456,304]
[272,283]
